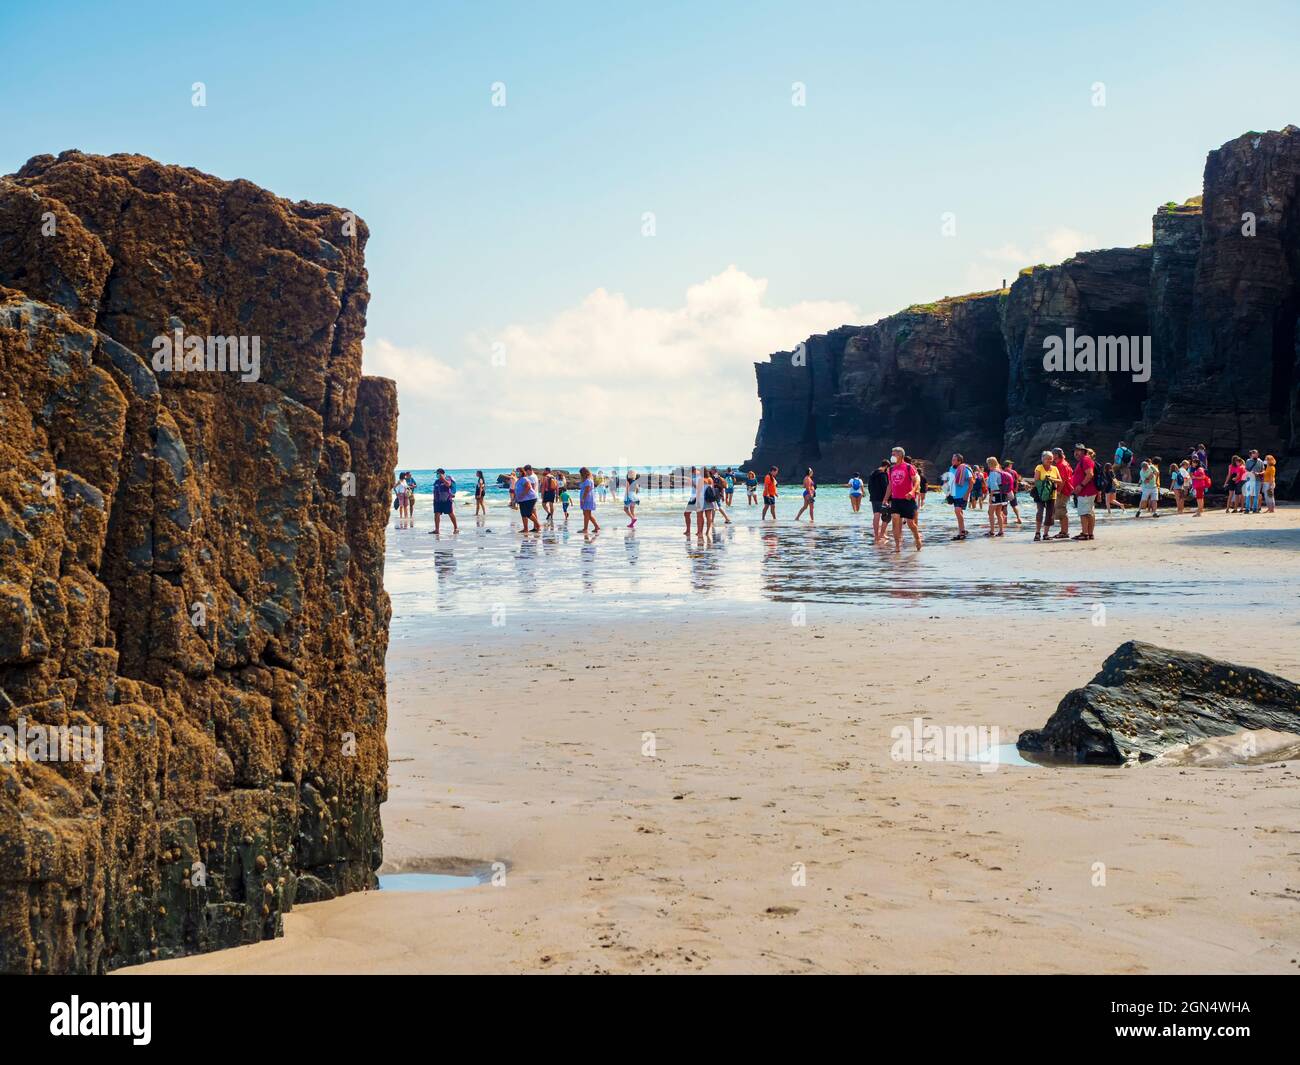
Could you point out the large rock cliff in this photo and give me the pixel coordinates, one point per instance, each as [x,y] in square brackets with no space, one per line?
[191,562]
[1216,296]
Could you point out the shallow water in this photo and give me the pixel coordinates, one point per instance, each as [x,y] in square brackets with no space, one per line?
[427,882]
[492,571]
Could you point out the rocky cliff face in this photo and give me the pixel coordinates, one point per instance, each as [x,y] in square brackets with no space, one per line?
[1216,295]
[931,377]
[191,562]
[1095,294]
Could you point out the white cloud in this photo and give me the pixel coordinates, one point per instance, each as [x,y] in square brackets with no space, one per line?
[1007,260]
[603,381]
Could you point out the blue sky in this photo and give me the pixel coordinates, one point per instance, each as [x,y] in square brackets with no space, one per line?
[517,230]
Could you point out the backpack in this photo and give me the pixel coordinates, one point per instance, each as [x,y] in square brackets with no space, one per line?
[1125,457]
[1044,490]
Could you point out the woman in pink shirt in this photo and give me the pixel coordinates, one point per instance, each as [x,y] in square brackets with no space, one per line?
[1232,482]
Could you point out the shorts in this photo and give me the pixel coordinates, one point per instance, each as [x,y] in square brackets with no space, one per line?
[526,507]
[548,497]
[442,508]
[998,499]
[855,495]
[769,501]
[878,507]
[628,501]
[1060,504]
[904,508]
[1085,504]
[1150,494]
[959,502]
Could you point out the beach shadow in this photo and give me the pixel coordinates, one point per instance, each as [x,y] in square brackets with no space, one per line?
[1250,535]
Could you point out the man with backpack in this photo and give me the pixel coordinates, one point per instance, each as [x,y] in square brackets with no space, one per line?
[1123,460]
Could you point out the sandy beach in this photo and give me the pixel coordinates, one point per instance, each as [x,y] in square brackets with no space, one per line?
[772,752]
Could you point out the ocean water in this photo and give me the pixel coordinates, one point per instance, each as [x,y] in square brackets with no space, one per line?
[491,570]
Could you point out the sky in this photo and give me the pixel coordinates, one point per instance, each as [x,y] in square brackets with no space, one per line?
[589,220]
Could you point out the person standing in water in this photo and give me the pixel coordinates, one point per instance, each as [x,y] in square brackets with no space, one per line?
[630,499]
[809,496]
[525,494]
[959,486]
[902,491]
[480,495]
[997,497]
[587,501]
[751,487]
[548,494]
[877,489]
[769,494]
[695,504]
[444,502]
[855,492]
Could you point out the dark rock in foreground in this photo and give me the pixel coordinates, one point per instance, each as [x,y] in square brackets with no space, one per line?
[1147,700]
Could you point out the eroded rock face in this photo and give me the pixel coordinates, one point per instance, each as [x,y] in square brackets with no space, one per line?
[1147,700]
[1095,294]
[932,378]
[1217,293]
[191,560]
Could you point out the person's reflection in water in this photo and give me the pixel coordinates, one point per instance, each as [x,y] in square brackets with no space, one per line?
[631,548]
[704,564]
[588,562]
[444,569]
[527,564]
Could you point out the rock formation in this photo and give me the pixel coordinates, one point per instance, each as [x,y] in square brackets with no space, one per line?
[1216,294]
[191,560]
[1147,700]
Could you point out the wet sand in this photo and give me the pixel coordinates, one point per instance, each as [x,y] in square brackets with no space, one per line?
[773,750]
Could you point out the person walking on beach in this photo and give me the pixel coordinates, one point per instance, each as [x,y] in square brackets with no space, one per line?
[1254,481]
[920,486]
[480,495]
[587,501]
[855,492]
[695,504]
[901,493]
[565,500]
[997,497]
[1013,487]
[512,479]
[1106,487]
[769,494]
[1232,482]
[444,502]
[1178,485]
[731,486]
[549,492]
[1047,482]
[1064,491]
[402,497]
[525,493]
[959,486]
[1149,481]
[721,495]
[809,496]
[630,499]
[1123,459]
[877,489]
[1201,483]
[1085,491]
